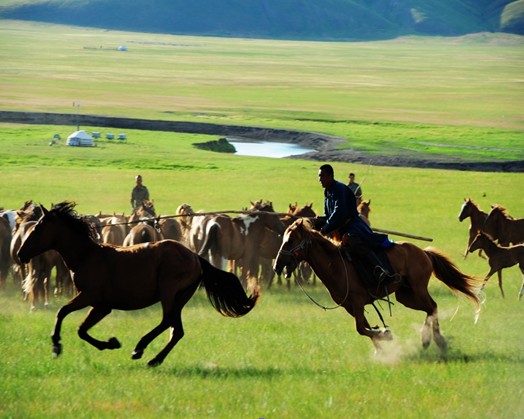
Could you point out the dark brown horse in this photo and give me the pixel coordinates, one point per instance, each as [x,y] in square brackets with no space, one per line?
[503,227]
[412,266]
[499,257]
[471,210]
[130,278]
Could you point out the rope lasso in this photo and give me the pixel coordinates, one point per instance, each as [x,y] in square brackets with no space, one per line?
[326,307]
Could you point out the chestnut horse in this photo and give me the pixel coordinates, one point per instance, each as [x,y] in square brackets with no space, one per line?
[499,257]
[412,266]
[503,227]
[130,278]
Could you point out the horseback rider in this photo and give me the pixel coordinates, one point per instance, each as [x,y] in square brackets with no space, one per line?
[139,194]
[342,218]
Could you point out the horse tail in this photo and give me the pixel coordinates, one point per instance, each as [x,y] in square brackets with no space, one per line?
[445,270]
[211,238]
[225,292]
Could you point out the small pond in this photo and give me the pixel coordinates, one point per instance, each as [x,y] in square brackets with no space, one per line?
[267,148]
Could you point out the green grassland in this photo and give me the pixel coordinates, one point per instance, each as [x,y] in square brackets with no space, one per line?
[287,358]
[443,96]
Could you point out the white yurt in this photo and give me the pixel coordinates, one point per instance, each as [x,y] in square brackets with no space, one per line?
[80,139]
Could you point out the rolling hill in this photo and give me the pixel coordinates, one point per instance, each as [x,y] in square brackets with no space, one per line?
[282,19]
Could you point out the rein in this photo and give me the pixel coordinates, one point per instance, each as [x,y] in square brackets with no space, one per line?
[303,245]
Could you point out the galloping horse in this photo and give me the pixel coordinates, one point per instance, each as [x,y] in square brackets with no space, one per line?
[412,266]
[478,217]
[503,227]
[130,278]
[499,257]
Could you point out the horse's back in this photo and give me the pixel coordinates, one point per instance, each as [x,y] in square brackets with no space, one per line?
[406,257]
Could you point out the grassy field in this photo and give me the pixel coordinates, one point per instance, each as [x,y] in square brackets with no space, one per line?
[287,358]
[450,96]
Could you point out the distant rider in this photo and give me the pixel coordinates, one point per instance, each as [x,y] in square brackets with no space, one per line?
[139,194]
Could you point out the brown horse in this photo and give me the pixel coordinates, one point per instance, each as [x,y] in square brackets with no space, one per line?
[477,216]
[238,240]
[130,278]
[412,266]
[364,208]
[503,227]
[499,257]
[142,233]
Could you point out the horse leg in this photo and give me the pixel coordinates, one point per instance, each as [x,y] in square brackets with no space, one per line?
[499,274]
[93,317]
[522,286]
[422,301]
[77,303]
[172,317]
[364,329]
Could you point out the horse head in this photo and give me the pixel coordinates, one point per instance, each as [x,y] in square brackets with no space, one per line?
[42,236]
[294,248]
[495,221]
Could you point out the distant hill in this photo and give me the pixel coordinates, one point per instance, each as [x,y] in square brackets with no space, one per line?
[280,19]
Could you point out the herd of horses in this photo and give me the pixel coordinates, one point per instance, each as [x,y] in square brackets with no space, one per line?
[498,235]
[130,262]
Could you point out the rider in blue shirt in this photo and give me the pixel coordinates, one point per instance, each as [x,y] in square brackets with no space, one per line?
[343,219]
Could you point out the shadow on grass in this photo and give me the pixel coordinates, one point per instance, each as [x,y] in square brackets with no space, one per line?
[214,371]
[461,357]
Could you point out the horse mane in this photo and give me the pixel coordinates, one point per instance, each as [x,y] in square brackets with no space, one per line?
[502,210]
[307,225]
[65,211]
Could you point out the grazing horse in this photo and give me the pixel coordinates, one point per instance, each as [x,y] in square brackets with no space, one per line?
[477,216]
[503,227]
[412,266]
[499,257]
[130,278]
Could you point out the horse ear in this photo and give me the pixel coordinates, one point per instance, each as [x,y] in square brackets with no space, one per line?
[44,210]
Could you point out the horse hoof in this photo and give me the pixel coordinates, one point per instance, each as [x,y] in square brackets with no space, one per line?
[57,350]
[154,363]
[113,343]
[137,354]
[387,335]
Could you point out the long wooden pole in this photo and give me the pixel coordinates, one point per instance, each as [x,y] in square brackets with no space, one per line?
[398,233]
[256,212]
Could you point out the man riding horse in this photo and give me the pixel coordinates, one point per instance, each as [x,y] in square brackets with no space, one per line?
[342,220]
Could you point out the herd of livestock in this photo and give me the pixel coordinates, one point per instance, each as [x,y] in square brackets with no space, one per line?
[247,242]
[498,235]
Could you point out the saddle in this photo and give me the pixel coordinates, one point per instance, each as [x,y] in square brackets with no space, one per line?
[372,266]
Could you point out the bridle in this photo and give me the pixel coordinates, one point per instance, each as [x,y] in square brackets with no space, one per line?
[299,251]
[299,254]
